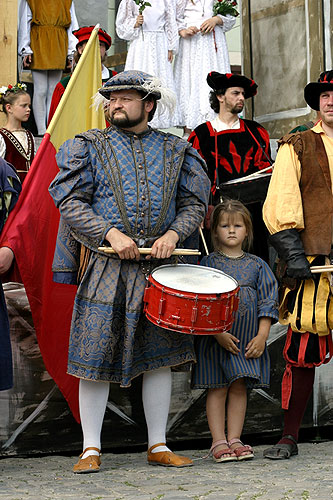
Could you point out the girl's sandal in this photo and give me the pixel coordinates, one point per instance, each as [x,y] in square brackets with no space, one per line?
[224,455]
[242,452]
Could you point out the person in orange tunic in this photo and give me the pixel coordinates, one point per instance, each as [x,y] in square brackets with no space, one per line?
[45,40]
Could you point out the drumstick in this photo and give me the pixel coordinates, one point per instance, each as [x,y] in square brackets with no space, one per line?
[147,251]
[203,240]
[321,269]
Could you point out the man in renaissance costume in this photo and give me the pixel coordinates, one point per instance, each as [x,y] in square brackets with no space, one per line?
[233,147]
[128,186]
[298,213]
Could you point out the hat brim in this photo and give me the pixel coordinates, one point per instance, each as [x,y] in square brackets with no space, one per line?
[107,90]
[312,93]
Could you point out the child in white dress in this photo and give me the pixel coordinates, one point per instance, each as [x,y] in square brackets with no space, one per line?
[202,49]
[153,38]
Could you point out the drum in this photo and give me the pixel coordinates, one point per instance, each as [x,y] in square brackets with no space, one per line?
[247,190]
[191,299]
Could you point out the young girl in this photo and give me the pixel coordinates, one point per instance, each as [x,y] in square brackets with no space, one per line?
[16,144]
[232,362]
[153,41]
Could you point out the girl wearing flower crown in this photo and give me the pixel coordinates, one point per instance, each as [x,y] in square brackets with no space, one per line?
[16,143]
[230,363]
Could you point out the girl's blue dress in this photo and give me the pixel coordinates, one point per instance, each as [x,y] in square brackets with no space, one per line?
[217,367]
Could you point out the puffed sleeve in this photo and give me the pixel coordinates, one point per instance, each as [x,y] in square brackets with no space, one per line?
[72,190]
[283,208]
[192,195]
[126,19]
[267,292]
[228,22]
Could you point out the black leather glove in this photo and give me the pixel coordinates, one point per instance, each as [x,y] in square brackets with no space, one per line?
[289,246]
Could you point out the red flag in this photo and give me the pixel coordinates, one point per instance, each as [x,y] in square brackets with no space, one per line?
[31,228]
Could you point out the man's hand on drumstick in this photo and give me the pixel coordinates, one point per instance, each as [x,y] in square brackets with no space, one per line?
[164,246]
[228,342]
[123,245]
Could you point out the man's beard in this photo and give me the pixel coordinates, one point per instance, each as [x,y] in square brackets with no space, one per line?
[237,109]
[126,122]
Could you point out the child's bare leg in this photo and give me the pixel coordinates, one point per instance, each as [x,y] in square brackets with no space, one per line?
[236,409]
[215,409]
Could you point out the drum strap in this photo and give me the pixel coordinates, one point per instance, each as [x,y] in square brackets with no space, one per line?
[260,145]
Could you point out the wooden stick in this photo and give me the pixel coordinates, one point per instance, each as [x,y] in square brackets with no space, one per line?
[203,240]
[147,251]
[321,269]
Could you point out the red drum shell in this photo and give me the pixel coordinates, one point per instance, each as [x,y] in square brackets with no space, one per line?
[189,312]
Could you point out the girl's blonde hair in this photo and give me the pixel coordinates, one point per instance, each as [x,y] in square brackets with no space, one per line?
[11,95]
[231,208]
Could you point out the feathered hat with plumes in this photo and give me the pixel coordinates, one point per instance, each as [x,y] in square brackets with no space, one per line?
[138,80]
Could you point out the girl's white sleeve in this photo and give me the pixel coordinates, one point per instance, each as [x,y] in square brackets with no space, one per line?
[25,17]
[72,40]
[2,147]
[126,19]
[228,22]
[180,9]
[171,28]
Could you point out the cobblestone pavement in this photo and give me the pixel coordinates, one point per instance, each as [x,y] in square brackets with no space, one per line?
[127,476]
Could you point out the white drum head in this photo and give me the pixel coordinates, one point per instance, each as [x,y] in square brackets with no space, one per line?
[194,279]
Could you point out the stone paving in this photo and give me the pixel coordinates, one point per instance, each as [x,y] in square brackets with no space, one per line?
[127,476]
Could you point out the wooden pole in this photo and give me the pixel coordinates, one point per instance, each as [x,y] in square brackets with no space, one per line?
[8,45]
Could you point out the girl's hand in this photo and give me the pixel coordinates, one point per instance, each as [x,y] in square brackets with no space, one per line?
[188,32]
[170,56]
[208,25]
[255,347]
[139,21]
[228,342]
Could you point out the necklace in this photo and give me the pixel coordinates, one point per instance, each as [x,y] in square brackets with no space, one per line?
[231,256]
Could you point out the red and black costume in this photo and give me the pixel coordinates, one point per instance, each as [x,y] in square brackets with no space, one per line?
[233,154]
[16,154]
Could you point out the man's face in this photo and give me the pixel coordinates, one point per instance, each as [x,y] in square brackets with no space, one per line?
[127,109]
[326,107]
[233,100]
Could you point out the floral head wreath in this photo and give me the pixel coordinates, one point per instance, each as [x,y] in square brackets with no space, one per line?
[12,88]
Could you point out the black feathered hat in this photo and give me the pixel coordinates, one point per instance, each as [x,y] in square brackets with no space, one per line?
[218,81]
[313,89]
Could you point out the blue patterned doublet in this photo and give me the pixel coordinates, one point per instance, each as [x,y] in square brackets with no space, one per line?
[142,184]
[258,297]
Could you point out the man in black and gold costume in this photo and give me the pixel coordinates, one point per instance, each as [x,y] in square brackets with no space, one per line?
[298,213]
